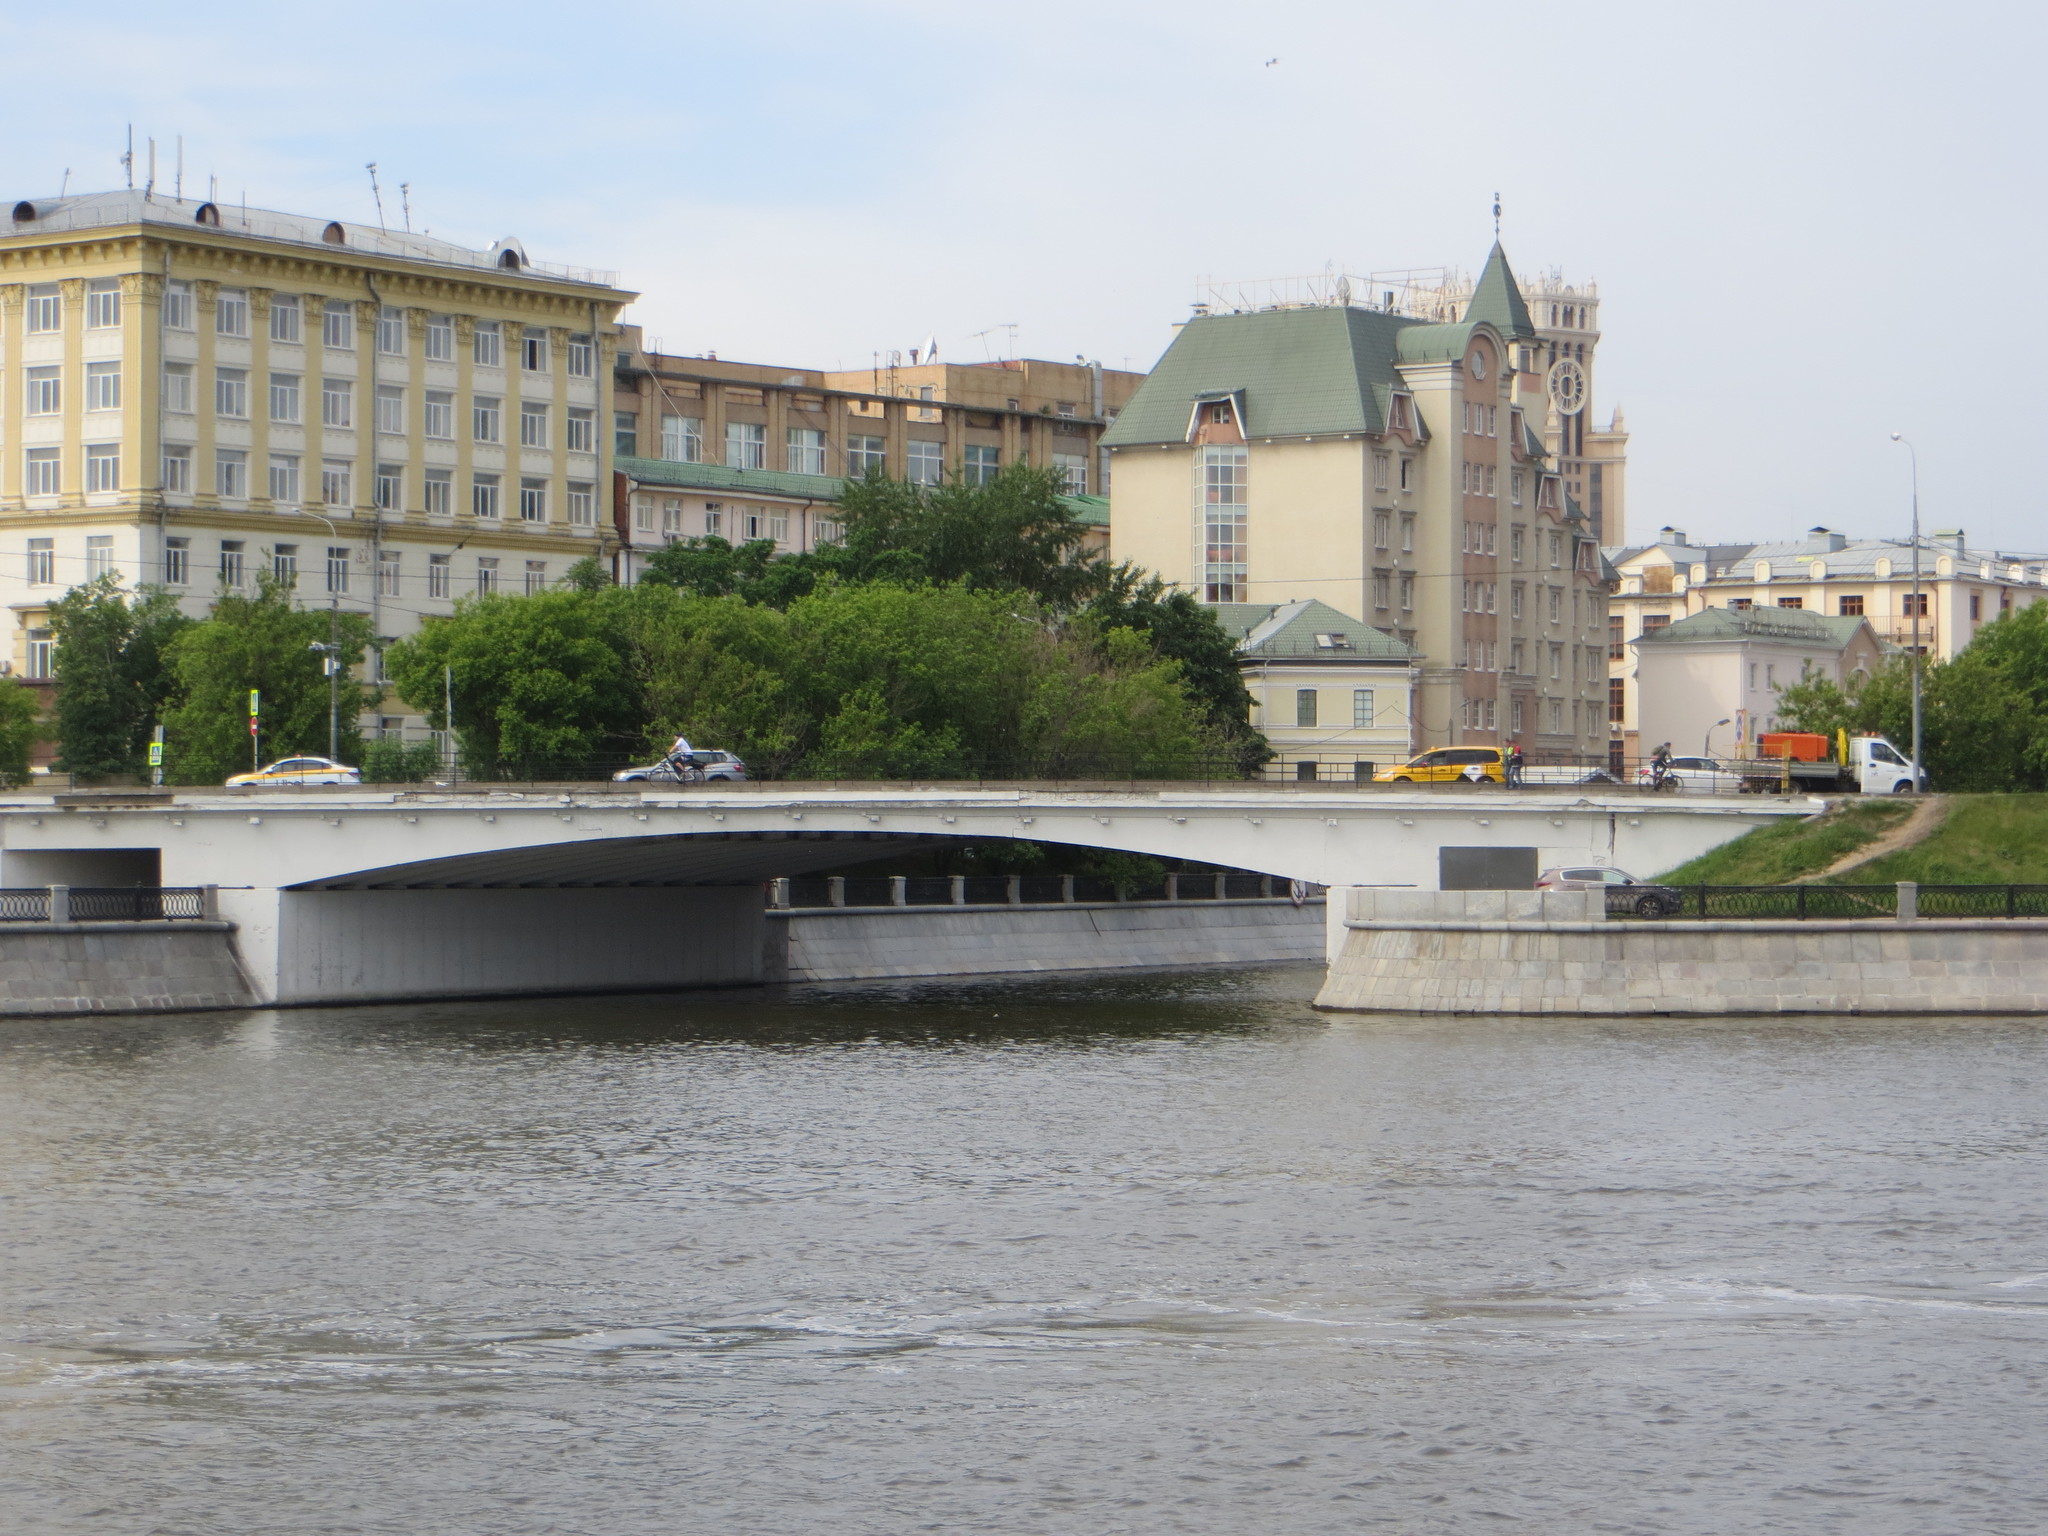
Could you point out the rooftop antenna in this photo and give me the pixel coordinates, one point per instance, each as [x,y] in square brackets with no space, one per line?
[405,202]
[376,193]
[128,159]
[1496,218]
[65,186]
[179,189]
[149,187]
[212,187]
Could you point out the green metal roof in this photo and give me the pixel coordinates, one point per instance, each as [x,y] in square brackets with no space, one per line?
[1092,510]
[1794,625]
[1435,343]
[717,477]
[1304,372]
[1498,299]
[1288,631]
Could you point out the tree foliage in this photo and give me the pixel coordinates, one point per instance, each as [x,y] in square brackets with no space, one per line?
[261,642]
[871,680]
[20,729]
[1984,712]
[113,675]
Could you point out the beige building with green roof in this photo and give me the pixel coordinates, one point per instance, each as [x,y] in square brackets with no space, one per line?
[1396,470]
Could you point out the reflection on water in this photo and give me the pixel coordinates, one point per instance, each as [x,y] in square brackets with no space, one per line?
[1152,1253]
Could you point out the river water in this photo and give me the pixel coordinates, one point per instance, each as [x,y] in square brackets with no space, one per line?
[1138,1254]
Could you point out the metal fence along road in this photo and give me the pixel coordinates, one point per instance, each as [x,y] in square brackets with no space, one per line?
[1798,902]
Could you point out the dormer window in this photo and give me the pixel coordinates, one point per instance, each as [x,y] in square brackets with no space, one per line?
[1333,642]
[1220,415]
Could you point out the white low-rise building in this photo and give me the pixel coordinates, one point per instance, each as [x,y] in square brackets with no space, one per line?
[1332,695]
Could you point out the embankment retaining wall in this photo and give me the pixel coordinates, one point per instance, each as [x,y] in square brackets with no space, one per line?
[844,944]
[71,968]
[1538,952]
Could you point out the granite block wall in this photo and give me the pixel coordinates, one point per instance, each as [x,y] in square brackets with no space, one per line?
[70,968]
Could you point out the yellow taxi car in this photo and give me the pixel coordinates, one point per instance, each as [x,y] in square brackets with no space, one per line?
[302,770]
[1448,765]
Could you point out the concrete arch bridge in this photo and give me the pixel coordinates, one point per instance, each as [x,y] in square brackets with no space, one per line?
[350,894]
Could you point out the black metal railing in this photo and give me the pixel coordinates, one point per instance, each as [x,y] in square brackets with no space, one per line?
[870,891]
[24,906]
[1797,903]
[105,904]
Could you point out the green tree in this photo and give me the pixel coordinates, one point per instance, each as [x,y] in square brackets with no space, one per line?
[266,643]
[1013,532]
[540,684]
[753,572]
[112,673]
[721,671]
[20,729]
[1183,630]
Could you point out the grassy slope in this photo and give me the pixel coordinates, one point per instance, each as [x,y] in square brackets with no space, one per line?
[1785,850]
[1986,840]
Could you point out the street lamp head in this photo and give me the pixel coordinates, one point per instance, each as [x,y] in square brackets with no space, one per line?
[1898,437]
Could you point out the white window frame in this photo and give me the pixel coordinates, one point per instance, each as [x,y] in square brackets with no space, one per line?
[484,492]
[287,319]
[338,403]
[231,393]
[533,424]
[103,304]
[338,325]
[391,331]
[102,468]
[487,345]
[805,450]
[284,478]
[45,391]
[533,499]
[391,410]
[746,445]
[437,492]
[178,309]
[337,482]
[231,474]
[440,342]
[103,386]
[925,461]
[177,469]
[231,312]
[286,391]
[487,418]
[440,576]
[582,504]
[45,309]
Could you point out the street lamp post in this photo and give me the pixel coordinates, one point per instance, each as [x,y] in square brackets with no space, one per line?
[1707,741]
[1916,600]
[332,648]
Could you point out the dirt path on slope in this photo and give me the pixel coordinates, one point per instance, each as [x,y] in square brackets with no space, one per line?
[1927,815]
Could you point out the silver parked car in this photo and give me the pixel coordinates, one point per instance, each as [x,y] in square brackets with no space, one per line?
[1625,893]
[711,766]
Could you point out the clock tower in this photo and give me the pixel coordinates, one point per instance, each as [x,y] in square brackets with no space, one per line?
[1592,459]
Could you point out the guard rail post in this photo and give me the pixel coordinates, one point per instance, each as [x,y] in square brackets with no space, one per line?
[1013,891]
[1066,888]
[778,893]
[835,890]
[1172,888]
[958,891]
[897,895]
[209,903]
[1909,900]
[60,903]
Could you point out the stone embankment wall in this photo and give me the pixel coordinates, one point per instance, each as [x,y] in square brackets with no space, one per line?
[1543,952]
[844,944]
[70,968]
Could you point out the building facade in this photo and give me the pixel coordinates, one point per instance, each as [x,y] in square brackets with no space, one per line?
[1389,466]
[1333,697]
[746,451]
[191,395]
[1827,573]
[1710,683]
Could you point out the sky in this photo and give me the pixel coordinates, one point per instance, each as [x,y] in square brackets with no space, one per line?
[1812,224]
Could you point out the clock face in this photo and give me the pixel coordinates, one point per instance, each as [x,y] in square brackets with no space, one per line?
[1477,363]
[1567,387]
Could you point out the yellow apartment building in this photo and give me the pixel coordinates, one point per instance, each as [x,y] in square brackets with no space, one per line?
[192,393]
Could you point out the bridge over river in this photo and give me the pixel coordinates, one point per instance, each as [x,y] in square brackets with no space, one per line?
[349,894]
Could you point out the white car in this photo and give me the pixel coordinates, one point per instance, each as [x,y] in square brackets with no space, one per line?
[302,770]
[1695,775]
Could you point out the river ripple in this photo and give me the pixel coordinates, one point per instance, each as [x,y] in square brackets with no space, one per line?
[1142,1254]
